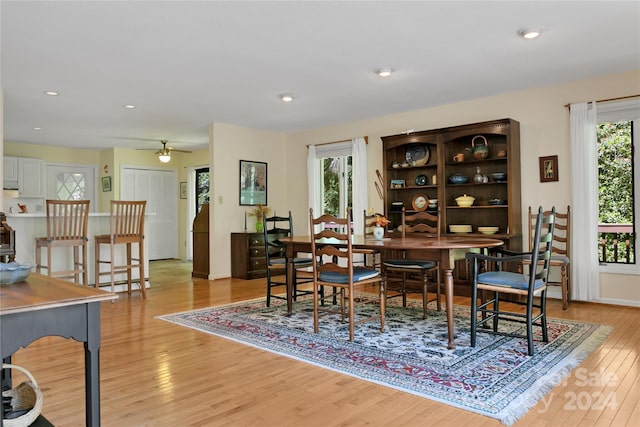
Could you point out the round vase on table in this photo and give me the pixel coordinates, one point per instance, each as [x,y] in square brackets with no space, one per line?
[378,232]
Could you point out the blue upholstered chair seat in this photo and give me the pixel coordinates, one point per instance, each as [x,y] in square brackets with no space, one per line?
[359,273]
[507,280]
[560,258]
[297,261]
[409,264]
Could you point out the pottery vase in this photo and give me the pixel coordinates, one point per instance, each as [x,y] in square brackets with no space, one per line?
[378,232]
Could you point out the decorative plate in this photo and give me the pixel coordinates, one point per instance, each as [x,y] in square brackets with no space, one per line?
[420,202]
[421,180]
[418,154]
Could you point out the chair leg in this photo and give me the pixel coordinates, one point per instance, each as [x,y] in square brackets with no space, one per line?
[474,307]
[143,287]
[268,287]
[496,309]
[565,287]
[383,303]
[351,314]
[425,293]
[439,304]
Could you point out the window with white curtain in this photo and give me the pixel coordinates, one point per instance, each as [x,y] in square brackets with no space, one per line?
[335,181]
[619,186]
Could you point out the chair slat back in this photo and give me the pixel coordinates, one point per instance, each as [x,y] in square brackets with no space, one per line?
[421,222]
[274,228]
[369,223]
[543,243]
[561,235]
[127,218]
[326,255]
[67,219]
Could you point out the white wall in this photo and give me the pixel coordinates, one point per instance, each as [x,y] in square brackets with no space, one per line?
[230,145]
[544,131]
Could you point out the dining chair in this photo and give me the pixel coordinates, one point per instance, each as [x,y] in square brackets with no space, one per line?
[560,251]
[371,257]
[274,229]
[408,275]
[66,228]
[333,266]
[528,287]
[126,227]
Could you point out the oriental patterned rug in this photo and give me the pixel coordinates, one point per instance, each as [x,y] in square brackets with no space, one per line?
[496,378]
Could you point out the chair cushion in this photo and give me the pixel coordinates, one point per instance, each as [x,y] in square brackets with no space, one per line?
[297,261]
[560,258]
[359,273]
[507,280]
[415,264]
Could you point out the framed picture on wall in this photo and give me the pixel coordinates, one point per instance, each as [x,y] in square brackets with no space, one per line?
[183,190]
[253,183]
[548,168]
[106,183]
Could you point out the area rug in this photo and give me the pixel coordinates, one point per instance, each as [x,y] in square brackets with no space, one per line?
[496,378]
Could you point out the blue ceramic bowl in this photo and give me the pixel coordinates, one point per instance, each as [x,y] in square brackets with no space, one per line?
[458,179]
[499,176]
[13,272]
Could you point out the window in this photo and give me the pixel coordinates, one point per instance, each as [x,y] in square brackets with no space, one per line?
[202,188]
[336,184]
[618,184]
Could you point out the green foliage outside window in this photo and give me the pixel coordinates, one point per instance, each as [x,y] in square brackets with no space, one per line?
[615,182]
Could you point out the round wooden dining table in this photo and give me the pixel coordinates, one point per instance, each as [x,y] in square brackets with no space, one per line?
[434,248]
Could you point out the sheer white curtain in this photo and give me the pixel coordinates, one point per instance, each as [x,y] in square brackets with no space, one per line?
[359,182]
[585,272]
[313,182]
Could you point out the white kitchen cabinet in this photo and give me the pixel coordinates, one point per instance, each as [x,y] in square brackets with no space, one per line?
[31,177]
[10,172]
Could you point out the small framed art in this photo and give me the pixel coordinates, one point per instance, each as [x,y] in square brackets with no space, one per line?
[548,168]
[183,190]
[106,184]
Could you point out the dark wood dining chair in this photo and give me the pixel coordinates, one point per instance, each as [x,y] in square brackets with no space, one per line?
[333,267]
[407,275]
[275,228]
[560,251]
[126,227]
[528,287]
[66,228]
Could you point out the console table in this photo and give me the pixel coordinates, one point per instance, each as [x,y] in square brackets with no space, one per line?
[46,306]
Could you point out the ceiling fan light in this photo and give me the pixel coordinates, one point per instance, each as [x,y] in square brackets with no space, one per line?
[165,156]
[529,33]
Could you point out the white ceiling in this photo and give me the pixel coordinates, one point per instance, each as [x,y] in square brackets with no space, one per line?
[186,64]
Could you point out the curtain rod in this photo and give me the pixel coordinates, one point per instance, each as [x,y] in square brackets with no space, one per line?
[366,140]
[619,98]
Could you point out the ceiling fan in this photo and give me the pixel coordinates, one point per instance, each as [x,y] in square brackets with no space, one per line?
[164,154]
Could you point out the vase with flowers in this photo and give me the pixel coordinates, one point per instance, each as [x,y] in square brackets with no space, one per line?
[259,212]
[378,230]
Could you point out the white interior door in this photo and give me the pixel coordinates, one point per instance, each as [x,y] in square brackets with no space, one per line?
[159,188]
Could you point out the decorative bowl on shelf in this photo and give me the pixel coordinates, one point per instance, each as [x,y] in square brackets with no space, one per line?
[458,179]
[488,230]
[460,228]
[497,201]
[465,201]
[499,176]
[13,272]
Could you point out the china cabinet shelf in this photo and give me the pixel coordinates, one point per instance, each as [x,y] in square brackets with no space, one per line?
[443,145]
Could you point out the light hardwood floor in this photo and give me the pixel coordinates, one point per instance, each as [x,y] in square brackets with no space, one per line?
[154,373]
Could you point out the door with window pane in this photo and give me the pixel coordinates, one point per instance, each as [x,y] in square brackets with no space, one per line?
[71,182]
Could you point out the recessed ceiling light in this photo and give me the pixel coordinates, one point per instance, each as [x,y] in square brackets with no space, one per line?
[51,93]
[529,33]
[37,128]
[129,106]
[383,72]
[286,97]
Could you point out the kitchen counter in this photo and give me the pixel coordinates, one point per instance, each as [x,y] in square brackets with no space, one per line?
[28,226]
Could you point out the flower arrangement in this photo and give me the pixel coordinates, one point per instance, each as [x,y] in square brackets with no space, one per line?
[260,211]
[381,221]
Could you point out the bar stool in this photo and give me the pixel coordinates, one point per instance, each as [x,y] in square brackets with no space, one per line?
[66,227]
[126,226]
